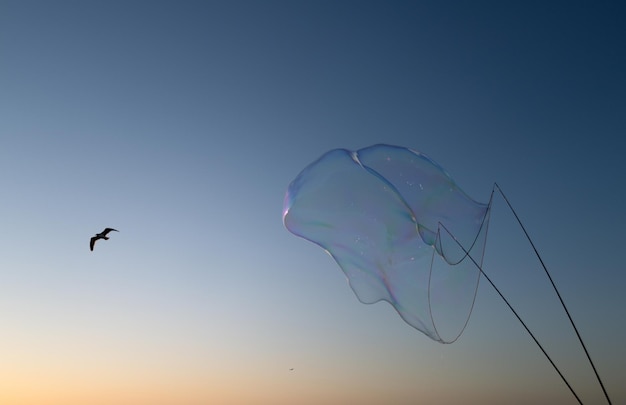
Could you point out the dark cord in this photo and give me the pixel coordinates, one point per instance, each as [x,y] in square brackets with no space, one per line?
[515,313]
[606,395]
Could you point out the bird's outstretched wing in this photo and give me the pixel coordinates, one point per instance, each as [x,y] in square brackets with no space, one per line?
[92,242]
[107,230]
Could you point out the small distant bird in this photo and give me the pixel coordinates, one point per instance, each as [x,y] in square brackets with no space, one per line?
[101,235]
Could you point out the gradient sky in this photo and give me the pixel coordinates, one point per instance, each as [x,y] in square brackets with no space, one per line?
[181,124]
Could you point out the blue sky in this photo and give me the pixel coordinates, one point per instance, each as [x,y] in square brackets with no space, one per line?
[182,123]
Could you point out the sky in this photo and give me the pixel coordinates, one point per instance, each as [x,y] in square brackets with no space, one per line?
[182,123]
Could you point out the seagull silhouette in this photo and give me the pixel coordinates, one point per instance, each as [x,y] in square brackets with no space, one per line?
[101,235]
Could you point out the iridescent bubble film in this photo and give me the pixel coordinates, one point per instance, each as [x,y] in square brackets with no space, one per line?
[400,229]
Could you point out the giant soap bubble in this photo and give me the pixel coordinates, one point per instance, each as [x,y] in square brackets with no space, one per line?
[379,213]
[403,232]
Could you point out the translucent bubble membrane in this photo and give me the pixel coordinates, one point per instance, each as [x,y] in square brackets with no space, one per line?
[379,213]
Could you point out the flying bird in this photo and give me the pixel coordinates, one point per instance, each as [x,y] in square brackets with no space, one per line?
[101,235]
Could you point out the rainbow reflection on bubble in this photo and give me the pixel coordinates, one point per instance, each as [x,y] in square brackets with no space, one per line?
[378,212]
